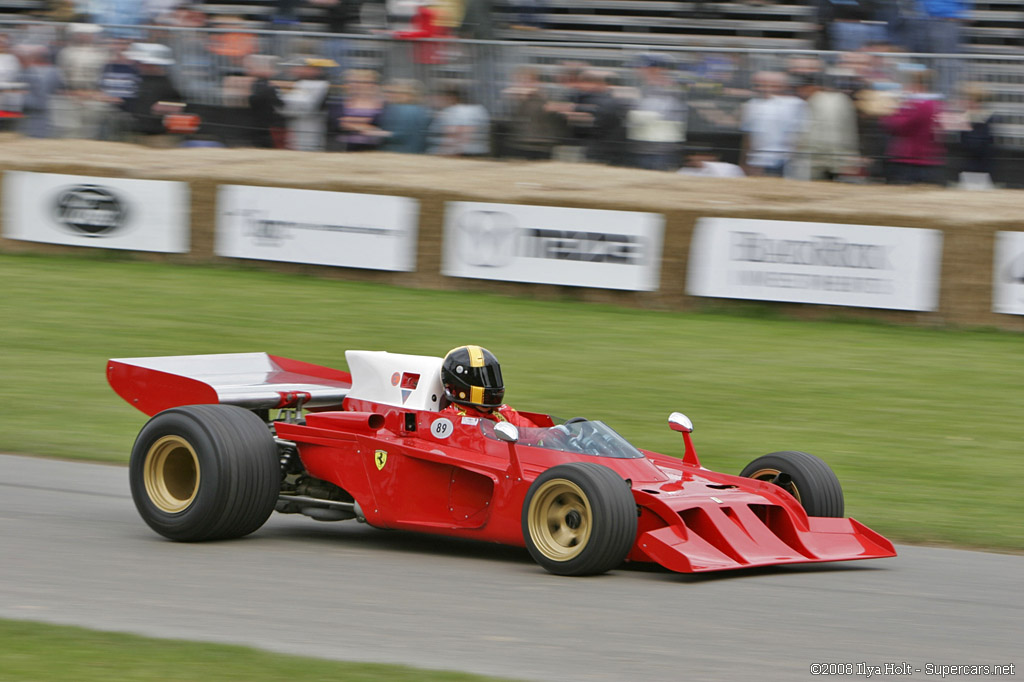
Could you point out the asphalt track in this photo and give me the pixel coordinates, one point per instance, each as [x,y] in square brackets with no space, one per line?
[74,551]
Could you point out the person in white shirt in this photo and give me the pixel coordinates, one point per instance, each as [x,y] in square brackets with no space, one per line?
[459,128]
[771,124]
[705,163]
[828,147]
[305,104]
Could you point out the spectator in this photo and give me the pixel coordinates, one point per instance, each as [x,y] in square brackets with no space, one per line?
[42,83]
[657,123]
[599,117]
[977,139]
[423,28]
[828,143]
[944,34]
[342,17]
[119,86]
[157,96]
[405,119]
[771,124]
[12,89]
[232,43]
[449,14]
[486,59]
[478,21]
[459,128]
[527,15]
[80,64]
[564,94]
[848,25]
[305,104]
[355,117]
[119,13]
[265,105]
[914,152]
[706,163]
[286,13]
[531,129]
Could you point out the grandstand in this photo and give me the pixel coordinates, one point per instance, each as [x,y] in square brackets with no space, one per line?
[993,26]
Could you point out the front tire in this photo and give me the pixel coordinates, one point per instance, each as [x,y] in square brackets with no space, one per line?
[811,481]
[579,519]
[205,472]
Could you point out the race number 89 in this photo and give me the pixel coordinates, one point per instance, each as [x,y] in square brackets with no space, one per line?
[441,428]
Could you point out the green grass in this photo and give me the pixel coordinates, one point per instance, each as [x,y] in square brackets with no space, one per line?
[48,653]
[923,426]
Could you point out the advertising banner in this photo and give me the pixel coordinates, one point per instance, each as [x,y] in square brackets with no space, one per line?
[553,245]
[105,213]
[866,266]
[341,229]
[1008,274]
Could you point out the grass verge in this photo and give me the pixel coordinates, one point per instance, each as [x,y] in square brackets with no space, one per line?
[922,426]
[34,652]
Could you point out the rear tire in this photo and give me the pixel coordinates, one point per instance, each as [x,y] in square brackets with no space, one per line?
[579,519]
[813,483]
[205,472]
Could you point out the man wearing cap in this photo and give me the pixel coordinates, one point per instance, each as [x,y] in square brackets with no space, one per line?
[157,96]
[305,104]
[80,64]
[657,123]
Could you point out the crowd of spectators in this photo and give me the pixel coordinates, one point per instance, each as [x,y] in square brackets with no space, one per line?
[865,113]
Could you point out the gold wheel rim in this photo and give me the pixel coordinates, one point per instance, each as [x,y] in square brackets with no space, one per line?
[560,519]
[769,474]
[171,474]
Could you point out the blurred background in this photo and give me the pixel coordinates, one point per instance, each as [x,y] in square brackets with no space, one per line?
[893,91]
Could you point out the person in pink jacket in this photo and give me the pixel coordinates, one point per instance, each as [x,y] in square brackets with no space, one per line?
[915,153]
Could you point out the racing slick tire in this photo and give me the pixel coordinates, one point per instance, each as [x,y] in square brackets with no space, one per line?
[811,481]
[205,472]
[579,519]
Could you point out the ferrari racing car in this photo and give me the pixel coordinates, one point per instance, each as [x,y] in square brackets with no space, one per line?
[234,437]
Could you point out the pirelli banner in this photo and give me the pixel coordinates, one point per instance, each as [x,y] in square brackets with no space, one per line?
[866,266]
[552,245]
[341,229]
[106,213]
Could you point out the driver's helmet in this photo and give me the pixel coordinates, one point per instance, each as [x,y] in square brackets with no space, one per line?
[472,376]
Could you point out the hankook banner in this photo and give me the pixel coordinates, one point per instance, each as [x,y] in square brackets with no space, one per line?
[551,245]
[106,213]
[866,266]
[1008,274]
[342,229]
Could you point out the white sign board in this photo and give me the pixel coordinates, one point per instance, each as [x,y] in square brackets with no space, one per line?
[552,245]
[866,266]
[106,213]
[342,229]
[1008,274]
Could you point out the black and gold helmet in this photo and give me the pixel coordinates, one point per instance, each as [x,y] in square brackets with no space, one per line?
[472,376]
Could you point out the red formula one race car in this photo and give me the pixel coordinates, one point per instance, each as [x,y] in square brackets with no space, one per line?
[375,445]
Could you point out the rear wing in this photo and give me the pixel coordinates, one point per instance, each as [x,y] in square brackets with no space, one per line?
[256,381]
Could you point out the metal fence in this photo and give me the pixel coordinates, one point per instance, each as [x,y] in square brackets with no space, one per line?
[715,82]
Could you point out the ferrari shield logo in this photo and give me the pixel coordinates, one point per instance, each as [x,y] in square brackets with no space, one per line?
[380,458]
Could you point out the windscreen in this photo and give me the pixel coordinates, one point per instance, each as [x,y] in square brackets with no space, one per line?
[582,437]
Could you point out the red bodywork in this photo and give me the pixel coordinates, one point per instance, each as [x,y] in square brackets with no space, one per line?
[457,481]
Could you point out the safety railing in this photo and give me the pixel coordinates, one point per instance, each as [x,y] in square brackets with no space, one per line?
[210,66]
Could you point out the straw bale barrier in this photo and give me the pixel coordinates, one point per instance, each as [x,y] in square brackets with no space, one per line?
[968,220]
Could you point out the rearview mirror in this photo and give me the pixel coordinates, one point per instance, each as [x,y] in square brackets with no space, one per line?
[678,421]
[506,432]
